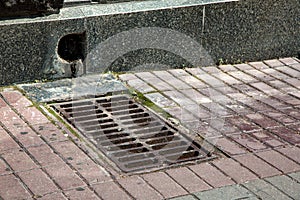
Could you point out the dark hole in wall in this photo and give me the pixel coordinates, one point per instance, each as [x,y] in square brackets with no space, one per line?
[72,47]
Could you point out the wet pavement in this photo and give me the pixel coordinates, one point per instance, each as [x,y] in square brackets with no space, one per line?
[247,113]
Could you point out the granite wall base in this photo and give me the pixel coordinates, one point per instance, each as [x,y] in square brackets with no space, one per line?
[147,35]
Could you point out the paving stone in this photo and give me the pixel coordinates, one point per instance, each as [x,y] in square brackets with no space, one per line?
[265,88]
[291,152]
[192,81]
[170,79]
[260,75]
[210,80]
[275,73]
[164,184]
[10,119]
[11,188]
[140,85]
[289,71]
[289,99]
[229,147]
[287,185]
[33,116]
[227,79]
[19,160]
[226,193]
[258,166]
[50,132]
[126,77]
[6,142]
[81,193]
[294,82]
[279,161]
[279,84]
[70,151]
[263,121]
[196,96]
[243,77]
[211,70]
[249,142]
[181,114]
[287,134]
[288,61]
[280,117]
[227,68]
[178,72]
[64,176]
[292,112]
[138,188]
[38,182]
[243,124]
[258,65]
[179,98]
[211,175]
[91,171]
[160,100]
[198,111]
[233,169]
[105,191]
[4,168]
[16,99]
[268,138]
[45,155]
[295,176]
[296,66]
[265,190]
[195,71]
[243,66]
[273,63]
[145,75]
[52,196]
[187,179]
[159,84]
[273,102]
[187,197]
[26,136]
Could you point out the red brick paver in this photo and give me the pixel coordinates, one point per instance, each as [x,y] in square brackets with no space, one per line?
[12,188]
[105,191]
[235,170]
[188,179]
[211,175]
[164,184]
[279,161]
[139,189]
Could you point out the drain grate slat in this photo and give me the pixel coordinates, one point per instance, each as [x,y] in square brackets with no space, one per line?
[131,136]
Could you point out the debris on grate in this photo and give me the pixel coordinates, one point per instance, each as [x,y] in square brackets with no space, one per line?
[131,136]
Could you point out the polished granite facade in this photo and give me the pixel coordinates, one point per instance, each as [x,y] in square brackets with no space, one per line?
[141,35]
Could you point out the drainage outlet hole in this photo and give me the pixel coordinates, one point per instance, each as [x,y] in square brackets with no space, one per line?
[72,47]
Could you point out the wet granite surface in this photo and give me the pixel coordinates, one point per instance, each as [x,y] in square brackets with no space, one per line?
[75,88]
[138,35]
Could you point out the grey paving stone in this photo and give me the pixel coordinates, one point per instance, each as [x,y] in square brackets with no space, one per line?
[286,184]
[265,190]
[187,197]
[295,176]
[227,192]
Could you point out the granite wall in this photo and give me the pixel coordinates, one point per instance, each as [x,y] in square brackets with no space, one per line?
[142,35]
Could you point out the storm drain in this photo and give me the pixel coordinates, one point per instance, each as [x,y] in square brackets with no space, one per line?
[130,135]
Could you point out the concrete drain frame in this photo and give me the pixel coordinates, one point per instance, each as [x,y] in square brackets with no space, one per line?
[134,138]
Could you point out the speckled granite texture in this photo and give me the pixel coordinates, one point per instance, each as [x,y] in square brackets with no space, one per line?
[136,35]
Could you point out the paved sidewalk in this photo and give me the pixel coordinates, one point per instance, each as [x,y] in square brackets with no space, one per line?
[250,112]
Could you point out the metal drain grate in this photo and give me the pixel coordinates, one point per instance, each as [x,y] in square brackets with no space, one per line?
[127,133]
